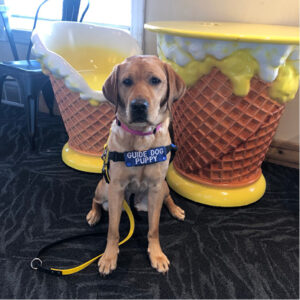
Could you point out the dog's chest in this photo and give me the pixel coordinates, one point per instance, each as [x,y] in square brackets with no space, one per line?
[137,185]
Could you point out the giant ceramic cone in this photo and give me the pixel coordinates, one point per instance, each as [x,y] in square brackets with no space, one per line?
[87,126]
[222,138]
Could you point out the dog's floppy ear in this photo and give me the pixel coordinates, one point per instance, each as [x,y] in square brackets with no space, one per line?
[110,87]
[176,86]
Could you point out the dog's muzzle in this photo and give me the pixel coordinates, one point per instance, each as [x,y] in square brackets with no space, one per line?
[139,110]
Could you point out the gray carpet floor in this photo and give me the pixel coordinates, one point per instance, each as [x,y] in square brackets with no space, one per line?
[248,252]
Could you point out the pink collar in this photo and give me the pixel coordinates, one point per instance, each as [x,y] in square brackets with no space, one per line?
[137,132]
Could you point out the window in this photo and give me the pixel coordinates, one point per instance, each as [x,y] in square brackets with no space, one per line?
[125,14]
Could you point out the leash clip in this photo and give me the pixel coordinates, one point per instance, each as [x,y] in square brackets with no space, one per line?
[105,166]
[36,261]
[104,154]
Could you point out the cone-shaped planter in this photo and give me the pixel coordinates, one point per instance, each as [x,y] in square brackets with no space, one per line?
[239,77]
[78,58]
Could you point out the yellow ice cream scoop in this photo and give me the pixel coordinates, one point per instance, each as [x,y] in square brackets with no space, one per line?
[285,86]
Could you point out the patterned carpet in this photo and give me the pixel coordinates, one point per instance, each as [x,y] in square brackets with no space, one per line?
[249,252]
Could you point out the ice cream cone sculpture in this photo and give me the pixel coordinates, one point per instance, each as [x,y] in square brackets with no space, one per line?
[78,58]
[239,77]
[87,125]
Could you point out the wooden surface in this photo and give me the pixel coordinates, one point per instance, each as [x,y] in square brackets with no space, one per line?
[284,153]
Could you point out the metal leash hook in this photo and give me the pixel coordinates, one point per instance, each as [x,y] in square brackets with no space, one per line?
[36,259]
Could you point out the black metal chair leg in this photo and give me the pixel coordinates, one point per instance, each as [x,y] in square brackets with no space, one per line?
[33,111]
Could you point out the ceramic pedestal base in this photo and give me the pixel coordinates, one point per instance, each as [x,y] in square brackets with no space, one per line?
[80,161]
[213,195]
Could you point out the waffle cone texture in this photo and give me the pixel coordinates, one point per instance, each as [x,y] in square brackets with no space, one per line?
[222,139]
[87,126]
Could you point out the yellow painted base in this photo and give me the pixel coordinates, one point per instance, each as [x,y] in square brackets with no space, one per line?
[216,196]
[81,162]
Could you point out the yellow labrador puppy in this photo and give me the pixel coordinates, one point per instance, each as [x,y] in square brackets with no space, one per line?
[142,88]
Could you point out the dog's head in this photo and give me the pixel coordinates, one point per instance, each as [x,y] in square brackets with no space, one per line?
[143,89]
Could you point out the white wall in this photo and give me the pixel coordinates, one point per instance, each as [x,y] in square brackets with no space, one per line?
[279,12]
[5,51]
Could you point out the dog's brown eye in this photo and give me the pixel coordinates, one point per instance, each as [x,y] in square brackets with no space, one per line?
[127,82]
[155,80]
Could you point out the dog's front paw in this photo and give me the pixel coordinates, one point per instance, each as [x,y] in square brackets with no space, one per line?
[93,217]
[107,263]
[159,261]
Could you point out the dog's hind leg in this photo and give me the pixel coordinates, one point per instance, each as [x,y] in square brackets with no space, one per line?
[174,209]
[94,215]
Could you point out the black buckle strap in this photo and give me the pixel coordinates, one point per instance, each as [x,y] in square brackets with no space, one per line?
[171,147]
[116,156]
[49,271]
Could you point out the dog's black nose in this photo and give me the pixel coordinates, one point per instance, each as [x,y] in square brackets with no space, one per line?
[139,105]
[139,110]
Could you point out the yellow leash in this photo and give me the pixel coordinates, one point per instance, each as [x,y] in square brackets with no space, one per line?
[84,265]
[55,271]
[36,263]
